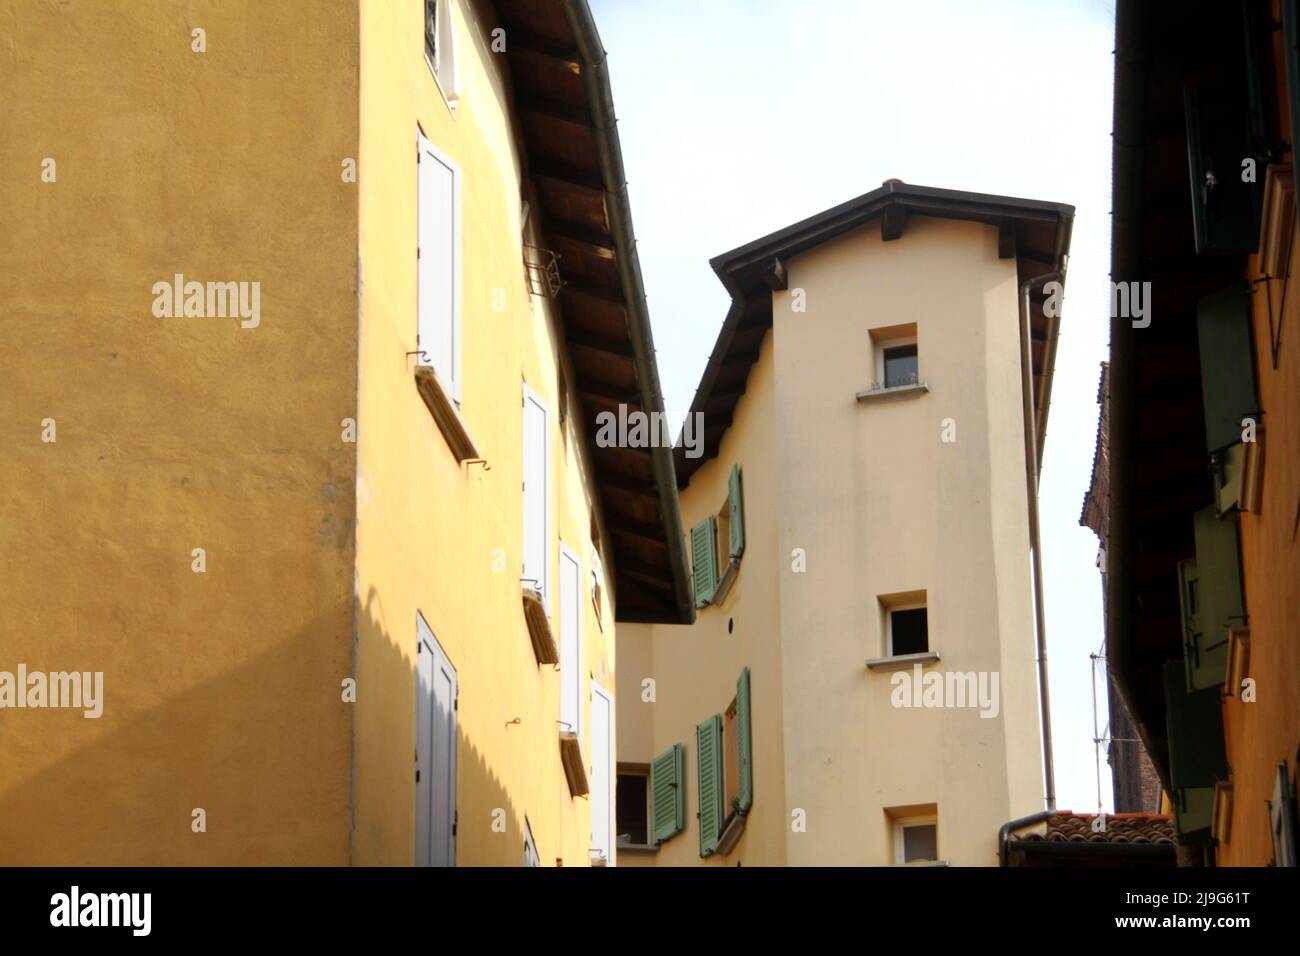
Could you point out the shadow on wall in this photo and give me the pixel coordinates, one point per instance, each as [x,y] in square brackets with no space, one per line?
[386,725]
[262,749]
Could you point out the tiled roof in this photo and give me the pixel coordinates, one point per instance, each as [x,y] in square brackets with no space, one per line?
[1120,828]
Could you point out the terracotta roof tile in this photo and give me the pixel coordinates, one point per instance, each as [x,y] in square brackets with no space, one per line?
[1120,828]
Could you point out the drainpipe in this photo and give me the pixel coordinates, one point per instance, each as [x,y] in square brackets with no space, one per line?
[1004,831]
[1031,479]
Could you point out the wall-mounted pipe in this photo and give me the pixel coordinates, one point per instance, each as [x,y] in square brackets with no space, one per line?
[1031,484]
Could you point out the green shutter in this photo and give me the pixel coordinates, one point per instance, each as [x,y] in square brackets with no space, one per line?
[708,754]
[1228,465]
[1225,210]
[1219,600]
[737,500]
[1194,722]
[1227,364]
[668,794]
[1291,53]
[704,560]
[744,747]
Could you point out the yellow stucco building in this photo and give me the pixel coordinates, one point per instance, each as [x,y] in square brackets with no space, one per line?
[309,323]
[860,687]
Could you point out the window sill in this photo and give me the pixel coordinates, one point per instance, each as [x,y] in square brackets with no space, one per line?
[571,757]
[539,628]
[898,391]
[724,584]
[445,414]
[902,660]
[730,834]
[637,848]
[924,863]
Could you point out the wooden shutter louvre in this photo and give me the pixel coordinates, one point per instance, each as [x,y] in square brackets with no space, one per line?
[667,794]
[744,745]
[708,753]
[1196,754]
[736,500]
[1219,598]
[704,560]
[1227,364]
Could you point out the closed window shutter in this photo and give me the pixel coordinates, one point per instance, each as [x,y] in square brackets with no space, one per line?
[737,502]
[1227,364]
[1194,722]
[668,793]
[1291,52]
[704,560]
[708,749]
[439,265]
[1220,604]
[744,747]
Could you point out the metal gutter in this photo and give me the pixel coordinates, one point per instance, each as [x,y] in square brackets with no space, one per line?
[605,124]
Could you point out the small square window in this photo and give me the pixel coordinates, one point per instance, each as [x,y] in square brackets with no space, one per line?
[909,631]
[632,806]
[900,365]
[918,842]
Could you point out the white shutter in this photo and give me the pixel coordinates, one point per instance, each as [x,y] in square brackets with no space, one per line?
[536,494]
[602,776]
[435,753]
[439,265]
[571,605]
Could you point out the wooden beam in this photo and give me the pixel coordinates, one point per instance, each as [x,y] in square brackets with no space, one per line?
[621,524]
[599,343]
[892,222]
[1007,240]
[774,274]
[567,173]
[522,40]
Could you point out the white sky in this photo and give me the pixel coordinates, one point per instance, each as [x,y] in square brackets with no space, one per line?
[738,117]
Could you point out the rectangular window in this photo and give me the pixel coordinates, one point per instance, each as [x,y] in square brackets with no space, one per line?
[632,805]
[435,752]
[537,495]
[571,669]
[438,259]
[440,47]
[909,631]
[530,847]
[602,776]
[900,365]
[916,840]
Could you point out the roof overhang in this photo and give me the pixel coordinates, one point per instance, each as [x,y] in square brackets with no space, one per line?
[1157,472]
[565,115]
[1036,234]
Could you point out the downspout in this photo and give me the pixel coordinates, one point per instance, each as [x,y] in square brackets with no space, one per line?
[1031,481]
[1004,832]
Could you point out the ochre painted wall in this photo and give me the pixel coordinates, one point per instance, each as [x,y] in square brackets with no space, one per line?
[695,668]
[222,689]
[1261,734]
[429,529]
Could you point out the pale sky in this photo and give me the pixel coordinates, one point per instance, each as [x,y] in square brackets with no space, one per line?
[738,117]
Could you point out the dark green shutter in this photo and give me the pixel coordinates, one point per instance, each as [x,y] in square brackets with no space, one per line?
[1229,466]
[708,753]
[744,747]
[1220,604]
[1227,364]
[1225,210]
[1196,756]
[667,794]
[736,498]
[1291,53]
[704,560]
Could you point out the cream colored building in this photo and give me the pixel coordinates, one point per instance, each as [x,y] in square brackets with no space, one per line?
[859,516]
